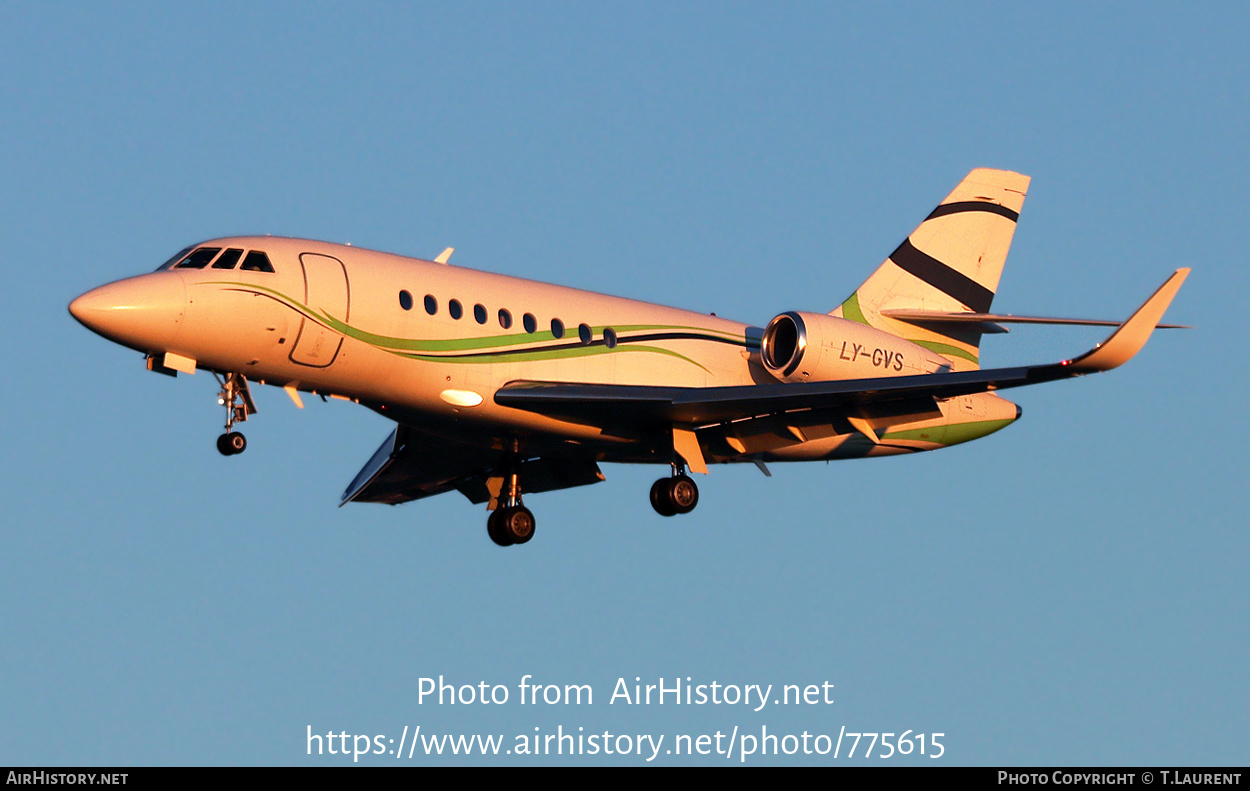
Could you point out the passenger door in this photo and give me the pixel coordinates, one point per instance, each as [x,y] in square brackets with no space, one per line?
[326,296]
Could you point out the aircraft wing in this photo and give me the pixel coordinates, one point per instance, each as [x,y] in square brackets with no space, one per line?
[640,406]
[412,465]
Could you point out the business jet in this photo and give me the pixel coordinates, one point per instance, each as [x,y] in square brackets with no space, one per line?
[499,385]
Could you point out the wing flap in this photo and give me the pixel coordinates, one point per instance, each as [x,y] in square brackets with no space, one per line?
[659,406]
[537,476]
[377,464]
[411,465]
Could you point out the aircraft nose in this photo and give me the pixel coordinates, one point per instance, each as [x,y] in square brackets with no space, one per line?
[143,312]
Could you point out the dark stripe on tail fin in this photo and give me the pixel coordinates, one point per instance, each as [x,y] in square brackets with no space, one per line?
[962,206]
[953,262]
[942,277]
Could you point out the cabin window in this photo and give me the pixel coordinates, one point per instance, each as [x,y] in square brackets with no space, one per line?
[200,258]
[431,304]
[479,314]
[609,337]
[584,334]
[228,259]
[531,323]
[557,328]
[505,319]
[405,300]
[454,309]
[256,261]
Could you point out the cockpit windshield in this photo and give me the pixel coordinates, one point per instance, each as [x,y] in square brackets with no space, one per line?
[178,257]
[200,257]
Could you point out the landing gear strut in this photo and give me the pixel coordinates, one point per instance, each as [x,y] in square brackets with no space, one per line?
[237,400]
[675,495]
[510,523]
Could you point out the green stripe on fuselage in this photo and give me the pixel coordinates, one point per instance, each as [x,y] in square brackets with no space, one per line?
[481,346]
[546,354]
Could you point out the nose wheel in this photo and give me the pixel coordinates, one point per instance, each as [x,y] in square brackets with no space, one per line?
[675,495]
[510,523]
[237,399]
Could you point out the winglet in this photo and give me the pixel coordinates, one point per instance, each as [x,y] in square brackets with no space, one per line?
[1132,334]
[444,256]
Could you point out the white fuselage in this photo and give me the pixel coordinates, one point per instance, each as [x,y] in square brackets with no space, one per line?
[428,344]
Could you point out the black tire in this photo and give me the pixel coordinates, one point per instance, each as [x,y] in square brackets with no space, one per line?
[683,494]
[660,499]
[495,531]
[517,523]
[231,444]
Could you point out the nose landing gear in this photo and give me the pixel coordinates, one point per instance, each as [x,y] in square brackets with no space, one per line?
[237,399]
[511,523]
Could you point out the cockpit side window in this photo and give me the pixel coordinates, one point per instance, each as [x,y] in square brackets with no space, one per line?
[181,254]
[199,259]
[256,261]
[228,259]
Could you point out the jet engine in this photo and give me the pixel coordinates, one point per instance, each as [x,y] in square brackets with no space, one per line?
[803,347]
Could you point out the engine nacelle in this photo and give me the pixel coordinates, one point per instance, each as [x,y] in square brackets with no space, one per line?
[810,347]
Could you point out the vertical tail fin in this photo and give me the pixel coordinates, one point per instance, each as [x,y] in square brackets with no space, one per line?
[952,262]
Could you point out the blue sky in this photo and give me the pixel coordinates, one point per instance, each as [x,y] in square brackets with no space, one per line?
[1071,590]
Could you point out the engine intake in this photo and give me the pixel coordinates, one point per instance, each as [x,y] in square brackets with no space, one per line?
[783,344]
[801,347]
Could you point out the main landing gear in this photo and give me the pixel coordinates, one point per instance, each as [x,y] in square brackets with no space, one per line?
[675,495]
[510,523]
[237,400]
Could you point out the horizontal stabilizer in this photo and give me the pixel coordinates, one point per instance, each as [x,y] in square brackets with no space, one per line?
[938,317]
